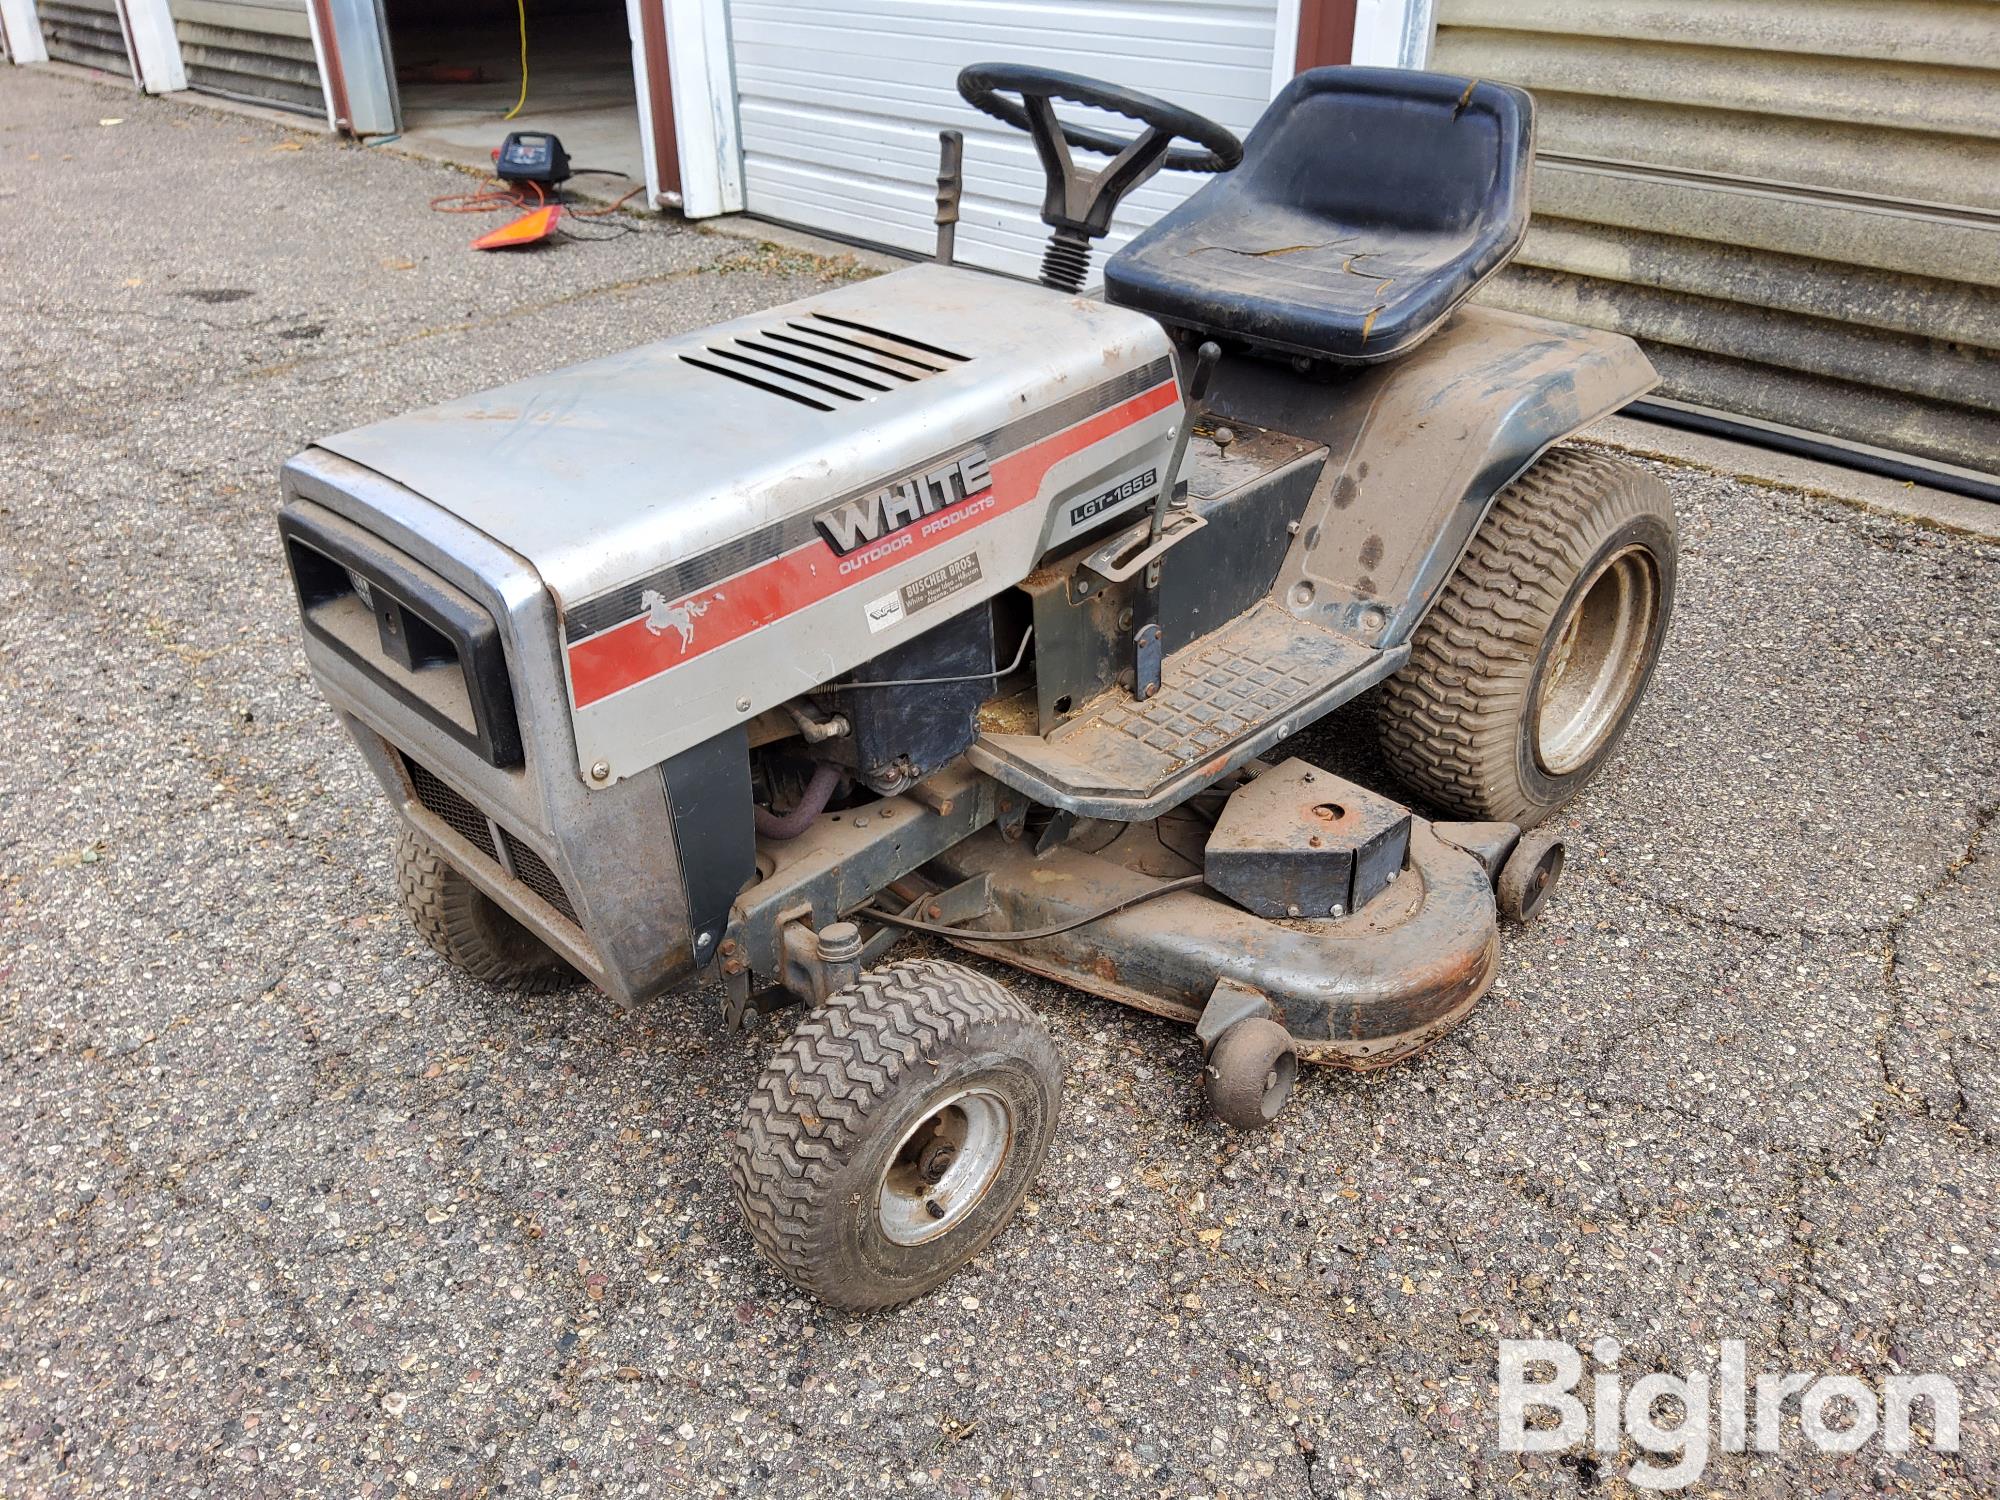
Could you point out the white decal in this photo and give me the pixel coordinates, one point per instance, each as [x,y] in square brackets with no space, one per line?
[1085,511]
[662,616]
[941,583]
[884,612]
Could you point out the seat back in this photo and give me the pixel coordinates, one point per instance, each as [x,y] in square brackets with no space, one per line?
[1370,202]
[1385,148]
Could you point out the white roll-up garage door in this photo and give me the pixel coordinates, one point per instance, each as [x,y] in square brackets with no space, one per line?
[841,105]
[260,50]
[87,33]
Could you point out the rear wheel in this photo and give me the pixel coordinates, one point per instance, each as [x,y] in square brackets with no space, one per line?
[468,927]
[1524,676]
[896,1132]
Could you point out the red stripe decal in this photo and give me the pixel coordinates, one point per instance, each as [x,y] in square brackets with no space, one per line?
[628,654]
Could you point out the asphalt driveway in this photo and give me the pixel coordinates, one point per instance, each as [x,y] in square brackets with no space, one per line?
[289,1208]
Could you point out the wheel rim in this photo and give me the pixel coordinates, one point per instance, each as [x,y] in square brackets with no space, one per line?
[1542,880]
[1593,674]
[944,1165]
[1278,1082]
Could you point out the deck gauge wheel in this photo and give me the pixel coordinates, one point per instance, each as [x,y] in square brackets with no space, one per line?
[1250,1073]
[1529,876]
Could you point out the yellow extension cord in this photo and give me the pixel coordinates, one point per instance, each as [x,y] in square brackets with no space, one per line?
[522,7]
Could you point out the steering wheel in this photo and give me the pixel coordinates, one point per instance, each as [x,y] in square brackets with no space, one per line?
[982,84]
[1078,204]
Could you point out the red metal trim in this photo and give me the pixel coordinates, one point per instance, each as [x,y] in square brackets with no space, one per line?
[1326,34]
[627,654]
[660,94]
[336,79]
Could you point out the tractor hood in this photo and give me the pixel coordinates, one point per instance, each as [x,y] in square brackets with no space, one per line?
[731,518]
[606,475]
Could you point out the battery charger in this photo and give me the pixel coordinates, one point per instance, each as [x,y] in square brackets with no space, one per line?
[532,156]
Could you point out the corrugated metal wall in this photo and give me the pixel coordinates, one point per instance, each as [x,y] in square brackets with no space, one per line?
[260,50]
[1794,204]
[85,32]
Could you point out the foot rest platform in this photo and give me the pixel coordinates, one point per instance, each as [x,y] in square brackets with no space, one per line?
[1223,700]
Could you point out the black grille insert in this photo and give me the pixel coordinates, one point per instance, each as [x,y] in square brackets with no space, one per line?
[536,875]
[470,824]
[457,814]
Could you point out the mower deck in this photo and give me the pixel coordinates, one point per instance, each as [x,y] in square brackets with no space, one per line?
[1356,992]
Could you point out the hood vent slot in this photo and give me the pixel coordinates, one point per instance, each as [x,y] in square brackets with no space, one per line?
[893,343]
[820,361]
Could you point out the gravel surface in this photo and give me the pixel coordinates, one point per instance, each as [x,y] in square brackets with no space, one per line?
[291,1209]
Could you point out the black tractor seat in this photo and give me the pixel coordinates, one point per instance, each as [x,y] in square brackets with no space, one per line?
[1370,203]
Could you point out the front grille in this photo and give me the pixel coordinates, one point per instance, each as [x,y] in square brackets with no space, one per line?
[457,814]
[470,824]
[535,874]
[818,360]
[424,641]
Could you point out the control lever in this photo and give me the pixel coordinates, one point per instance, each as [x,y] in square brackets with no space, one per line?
[1147,650]
[950,187]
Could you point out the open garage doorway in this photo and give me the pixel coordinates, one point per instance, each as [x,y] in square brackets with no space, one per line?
[458,66]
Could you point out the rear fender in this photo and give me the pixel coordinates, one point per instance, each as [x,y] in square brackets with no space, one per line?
[1418,450]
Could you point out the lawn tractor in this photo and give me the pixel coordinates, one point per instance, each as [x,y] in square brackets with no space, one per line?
[948,603]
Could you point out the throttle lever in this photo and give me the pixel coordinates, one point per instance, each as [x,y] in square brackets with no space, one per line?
[1147,648]
[1205,360]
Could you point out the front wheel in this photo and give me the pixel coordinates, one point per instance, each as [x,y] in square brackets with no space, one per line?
[1526,672]
[896,1132]
[468,927]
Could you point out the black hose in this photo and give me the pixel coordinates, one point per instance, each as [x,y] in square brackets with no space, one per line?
[818,792]
[1819,450]
[1032,934]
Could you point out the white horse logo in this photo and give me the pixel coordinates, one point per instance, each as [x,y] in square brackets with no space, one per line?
[662,616]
